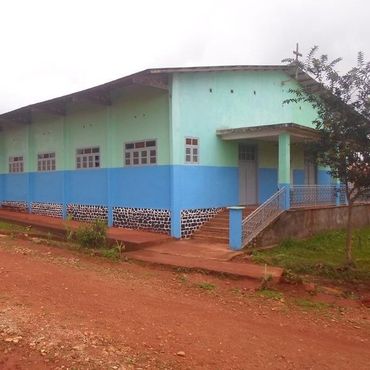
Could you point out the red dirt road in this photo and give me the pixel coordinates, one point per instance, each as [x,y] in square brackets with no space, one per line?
[60,309]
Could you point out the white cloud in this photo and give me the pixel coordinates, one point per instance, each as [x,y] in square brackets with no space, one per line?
[50,48]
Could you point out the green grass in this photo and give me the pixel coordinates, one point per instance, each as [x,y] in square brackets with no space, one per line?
[270,294]
[310,305]
[7,226]
[322,255]
[206,286]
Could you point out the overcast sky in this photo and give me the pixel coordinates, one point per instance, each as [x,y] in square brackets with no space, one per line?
[51,48]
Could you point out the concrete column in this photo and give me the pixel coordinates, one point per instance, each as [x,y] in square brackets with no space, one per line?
[109,138]
[29,157]
[175,201]
[65,166]
[284,165]
[236,227]
[175,173]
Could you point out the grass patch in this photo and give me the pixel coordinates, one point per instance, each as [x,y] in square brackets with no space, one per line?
[270,294]
[323,255]
[310,305]
[206,286]
[112,253]
[7,226]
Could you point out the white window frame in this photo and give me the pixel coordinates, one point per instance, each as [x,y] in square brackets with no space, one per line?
[140,153]
[16,164]
[191,150]
[46,162]
[83,156]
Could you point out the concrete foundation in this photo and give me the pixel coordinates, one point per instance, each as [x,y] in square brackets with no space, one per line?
[306,222]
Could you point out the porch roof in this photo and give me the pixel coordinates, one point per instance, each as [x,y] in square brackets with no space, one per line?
[269,132]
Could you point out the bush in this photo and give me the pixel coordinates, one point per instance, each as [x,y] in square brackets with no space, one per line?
[93,235]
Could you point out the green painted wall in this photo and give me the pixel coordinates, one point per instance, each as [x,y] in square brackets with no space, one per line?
[46,135]
[140,114]
[205,102]
[14,142]
[136,113]
[267,154]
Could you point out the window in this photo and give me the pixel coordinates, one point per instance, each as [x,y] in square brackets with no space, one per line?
[16,164]
[191,150]
[247,152]
[140,153]
[46,162]
[88,157]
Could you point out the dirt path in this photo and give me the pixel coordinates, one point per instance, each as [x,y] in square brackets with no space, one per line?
[60,309]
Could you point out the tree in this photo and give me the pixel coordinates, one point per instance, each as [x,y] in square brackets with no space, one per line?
[342,102]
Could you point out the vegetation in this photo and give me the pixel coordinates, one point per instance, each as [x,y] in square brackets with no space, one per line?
[322,255]
[93,235]
[310,305]
[270,294]
[342,101]
[206,286]
[7,226]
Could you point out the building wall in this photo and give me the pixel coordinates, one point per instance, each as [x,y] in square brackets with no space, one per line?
[138,113]
[201,103]
[256,99]
[197,105]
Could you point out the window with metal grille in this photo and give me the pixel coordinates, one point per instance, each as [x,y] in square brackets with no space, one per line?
[191,150]
[142,152]
[16,164]
[46,162]
[247,152]
[88,157]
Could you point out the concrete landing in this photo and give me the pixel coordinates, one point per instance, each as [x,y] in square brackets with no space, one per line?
[131,238]
[200,256]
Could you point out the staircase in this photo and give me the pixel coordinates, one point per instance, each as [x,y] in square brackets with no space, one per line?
[216,230]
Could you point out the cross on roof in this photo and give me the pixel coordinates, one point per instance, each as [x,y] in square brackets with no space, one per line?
[296,52]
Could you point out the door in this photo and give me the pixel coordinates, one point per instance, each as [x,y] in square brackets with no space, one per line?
[309,171]
[247,174]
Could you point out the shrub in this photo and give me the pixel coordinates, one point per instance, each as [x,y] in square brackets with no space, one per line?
[93,235]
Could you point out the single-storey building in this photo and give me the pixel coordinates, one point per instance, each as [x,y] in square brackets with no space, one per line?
[163,149]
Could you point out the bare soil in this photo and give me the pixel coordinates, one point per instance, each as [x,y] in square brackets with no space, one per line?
[61,309]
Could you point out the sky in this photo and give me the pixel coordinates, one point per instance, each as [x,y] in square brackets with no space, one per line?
[52,48]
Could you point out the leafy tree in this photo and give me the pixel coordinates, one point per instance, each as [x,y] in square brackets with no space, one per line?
[342,102]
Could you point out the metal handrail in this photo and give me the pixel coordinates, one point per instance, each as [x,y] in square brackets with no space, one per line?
[262,216]
[315,195]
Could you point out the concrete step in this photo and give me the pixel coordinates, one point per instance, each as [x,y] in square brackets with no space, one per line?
[211,239]
[243,270]
[215,228]
[209,233]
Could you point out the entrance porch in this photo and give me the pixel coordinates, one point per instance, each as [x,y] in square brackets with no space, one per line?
[276,174]
[272,157]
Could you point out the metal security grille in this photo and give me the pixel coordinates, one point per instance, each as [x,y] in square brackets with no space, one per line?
[88,157]
[16,164]
[191,150]
[247,152]
[46,162]
[140,153]
[313,195]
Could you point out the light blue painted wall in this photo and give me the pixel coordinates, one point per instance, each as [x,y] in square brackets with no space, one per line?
[257,99]
[15,187]
[206,186]
[298,177]
[323,178]
[141,187]
[46,186]
[267,183]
